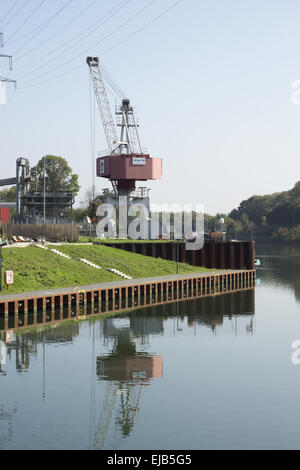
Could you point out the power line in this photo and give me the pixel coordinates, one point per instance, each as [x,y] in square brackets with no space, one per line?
[108,77]
[117,29]
[16,14]
[27,19]
[13,6]
[85,9]
[107,50]
[66,4]
[110,14]
[143,27]
[40,27]
[28,33]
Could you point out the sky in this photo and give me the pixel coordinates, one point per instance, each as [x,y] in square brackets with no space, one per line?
[211,82]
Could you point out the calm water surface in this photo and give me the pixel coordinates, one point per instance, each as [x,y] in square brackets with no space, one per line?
[213,373]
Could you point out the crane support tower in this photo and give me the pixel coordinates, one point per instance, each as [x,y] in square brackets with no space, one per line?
[125,162]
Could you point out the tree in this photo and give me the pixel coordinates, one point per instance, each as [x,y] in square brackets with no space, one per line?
[58,175]
[295,192]
[78,214]
[256,208]
[89,196]
[8,195]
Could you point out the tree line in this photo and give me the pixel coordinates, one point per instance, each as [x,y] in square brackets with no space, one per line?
[274,217]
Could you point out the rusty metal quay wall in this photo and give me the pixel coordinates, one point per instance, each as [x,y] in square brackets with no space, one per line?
[30,309]
[214,255]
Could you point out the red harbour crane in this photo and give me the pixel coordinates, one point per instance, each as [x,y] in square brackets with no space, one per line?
[125,162]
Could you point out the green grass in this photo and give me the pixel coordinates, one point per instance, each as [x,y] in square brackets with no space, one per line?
[36,269]
[132,264]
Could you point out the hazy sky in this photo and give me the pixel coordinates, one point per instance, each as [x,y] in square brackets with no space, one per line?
[211,82]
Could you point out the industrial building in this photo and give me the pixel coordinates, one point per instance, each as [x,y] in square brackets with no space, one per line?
[32,206]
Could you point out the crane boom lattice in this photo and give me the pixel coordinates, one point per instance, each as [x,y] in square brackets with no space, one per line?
[103,103]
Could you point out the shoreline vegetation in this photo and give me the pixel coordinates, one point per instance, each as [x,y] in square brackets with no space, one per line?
[272,218]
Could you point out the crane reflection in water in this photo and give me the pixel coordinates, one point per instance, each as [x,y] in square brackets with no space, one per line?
[129,367]
[127,370]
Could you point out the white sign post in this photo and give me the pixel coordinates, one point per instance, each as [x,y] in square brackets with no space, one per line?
[9,278]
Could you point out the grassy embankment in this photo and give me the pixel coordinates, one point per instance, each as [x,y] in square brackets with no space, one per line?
[37,269]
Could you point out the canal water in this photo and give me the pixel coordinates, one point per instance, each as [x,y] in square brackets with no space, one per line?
[211,373]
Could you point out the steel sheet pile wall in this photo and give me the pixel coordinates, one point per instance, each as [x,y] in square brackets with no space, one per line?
[23,310]
[224,255]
